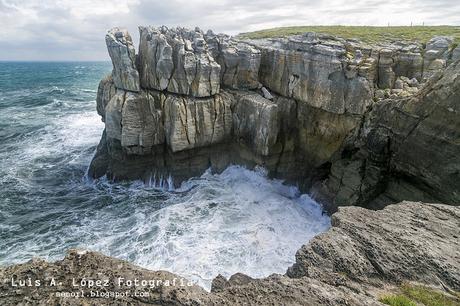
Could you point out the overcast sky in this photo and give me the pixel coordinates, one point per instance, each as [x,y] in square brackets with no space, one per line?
[75,29]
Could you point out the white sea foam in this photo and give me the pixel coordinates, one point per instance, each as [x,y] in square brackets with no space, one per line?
[65,135]
[61,142]
[237,221]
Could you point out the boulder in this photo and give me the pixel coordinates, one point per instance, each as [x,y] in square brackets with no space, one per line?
[438,46]
[266,93]
[436,55]
[123,55]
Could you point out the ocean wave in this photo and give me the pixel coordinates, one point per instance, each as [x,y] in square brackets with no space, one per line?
[89,90]
[235,221]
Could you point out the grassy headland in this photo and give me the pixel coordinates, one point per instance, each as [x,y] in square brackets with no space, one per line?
[368,34]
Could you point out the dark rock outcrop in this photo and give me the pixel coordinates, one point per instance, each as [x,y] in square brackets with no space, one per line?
[364,254]
[408,150]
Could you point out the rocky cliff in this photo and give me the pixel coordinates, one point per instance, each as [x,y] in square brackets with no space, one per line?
[355,124]
[365,255]
[407,148]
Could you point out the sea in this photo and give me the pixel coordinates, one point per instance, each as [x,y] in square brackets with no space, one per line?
[235,221]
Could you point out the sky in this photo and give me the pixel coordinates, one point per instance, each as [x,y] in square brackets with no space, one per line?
[75,29]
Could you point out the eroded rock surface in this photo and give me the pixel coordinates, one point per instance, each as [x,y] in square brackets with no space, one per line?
[178,61]
[256,122]
[192,123]
[315,72]
[123,55]
[240,63]
[404,242]
[364,254]
[105,91]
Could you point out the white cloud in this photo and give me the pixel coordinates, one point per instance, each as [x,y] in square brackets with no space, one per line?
[74,29]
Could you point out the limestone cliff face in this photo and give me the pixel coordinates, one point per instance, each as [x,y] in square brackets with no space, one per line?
[349,119]
[317,73]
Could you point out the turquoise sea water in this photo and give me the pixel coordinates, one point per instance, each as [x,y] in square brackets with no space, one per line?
[235,221]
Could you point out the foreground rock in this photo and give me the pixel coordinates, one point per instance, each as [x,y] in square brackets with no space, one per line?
[362,255]
[404,242]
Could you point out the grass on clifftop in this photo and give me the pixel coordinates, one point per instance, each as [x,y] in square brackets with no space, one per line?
[397,300]
[366,34]
[419,295]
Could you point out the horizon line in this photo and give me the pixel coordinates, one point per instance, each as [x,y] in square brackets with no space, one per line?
[53,61]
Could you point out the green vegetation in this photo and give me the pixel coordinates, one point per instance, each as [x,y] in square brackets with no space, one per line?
[366,34]
[397,300]
[429,297]
[420,295]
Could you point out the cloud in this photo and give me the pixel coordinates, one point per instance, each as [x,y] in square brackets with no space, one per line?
[75,29]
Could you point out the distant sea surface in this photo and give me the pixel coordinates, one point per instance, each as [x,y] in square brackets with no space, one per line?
[236,221]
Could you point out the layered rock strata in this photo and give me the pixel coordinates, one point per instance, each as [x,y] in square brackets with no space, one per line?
[363,256]
[312,109]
